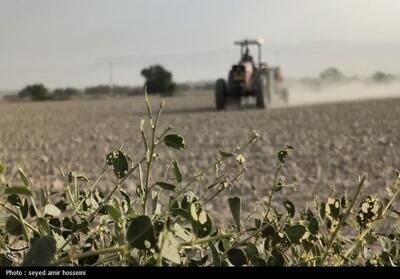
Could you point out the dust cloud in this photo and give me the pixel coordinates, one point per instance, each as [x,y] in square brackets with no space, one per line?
[357,90]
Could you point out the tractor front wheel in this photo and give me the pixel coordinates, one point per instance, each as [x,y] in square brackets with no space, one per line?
[220,94]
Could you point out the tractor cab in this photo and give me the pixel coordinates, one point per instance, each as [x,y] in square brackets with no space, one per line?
[245,51]
[246,57]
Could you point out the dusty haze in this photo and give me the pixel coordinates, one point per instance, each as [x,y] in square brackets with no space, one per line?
[301,95]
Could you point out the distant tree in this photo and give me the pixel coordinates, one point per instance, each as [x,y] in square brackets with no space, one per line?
[158,80]
[98,90]
[381,77]
[65,93]
[205,85]
[331,74]
[183,87]
[135,91]
[37,92]
[103,90]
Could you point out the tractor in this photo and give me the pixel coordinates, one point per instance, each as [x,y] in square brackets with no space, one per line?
[251,79]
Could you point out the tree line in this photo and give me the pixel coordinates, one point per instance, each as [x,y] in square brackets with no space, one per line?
[158,80]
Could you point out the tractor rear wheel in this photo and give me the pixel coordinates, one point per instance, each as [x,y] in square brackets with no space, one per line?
[220,94]
[261,91]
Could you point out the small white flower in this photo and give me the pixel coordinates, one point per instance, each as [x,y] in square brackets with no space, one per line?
[240,159]
[365,207]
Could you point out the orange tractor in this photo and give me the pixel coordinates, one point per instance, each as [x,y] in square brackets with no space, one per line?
[251,79]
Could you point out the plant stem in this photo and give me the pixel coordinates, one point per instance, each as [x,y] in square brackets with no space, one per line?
[367,231]
[150,151]
[106,200]
[196,176]
[119,249]
[271,194]
[24,230]
[91,188]
[206,240]
[16,215]
[231,181]
[342,220]
[164,233]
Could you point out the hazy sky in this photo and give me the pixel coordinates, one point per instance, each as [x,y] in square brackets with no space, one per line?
[71,42]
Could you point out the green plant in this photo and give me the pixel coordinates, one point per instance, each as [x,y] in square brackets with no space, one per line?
[158,80]
[37,92]
[164,223]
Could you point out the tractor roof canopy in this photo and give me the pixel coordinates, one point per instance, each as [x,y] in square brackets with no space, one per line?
[246,42]
[244,48]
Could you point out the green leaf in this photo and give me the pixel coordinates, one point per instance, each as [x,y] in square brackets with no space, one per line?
[113,212]
[83,178]
[120,164]
[252,253]
[166,186]
[126,197]
[180,212]
[333,207]
[19,190]
[2,244]
[52,210]
[352,223]
[140,233]
[55,222]
[370,238]
[276,259]
[82,227]
[43,226]
[14,199]
[289,208]
[187,199]
[2,169]
[43,196]
[214,254]
[42,252]
[313,226]
[67,223]
[32,211]
[201,221]
[282,155]
[235,204]
[5,261]
[110,158]
[182,233]
[177,171]
[295,233]
[194,214]
[236,257]
[170,248]
[226,154]
[60,242]
[196,263]
[25,209]
[14,226]
[90,245]
[24,177]
[224,245]
[322,211]
[174,141]
[156,206]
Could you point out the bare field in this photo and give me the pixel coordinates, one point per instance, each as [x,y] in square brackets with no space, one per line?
[334,143]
